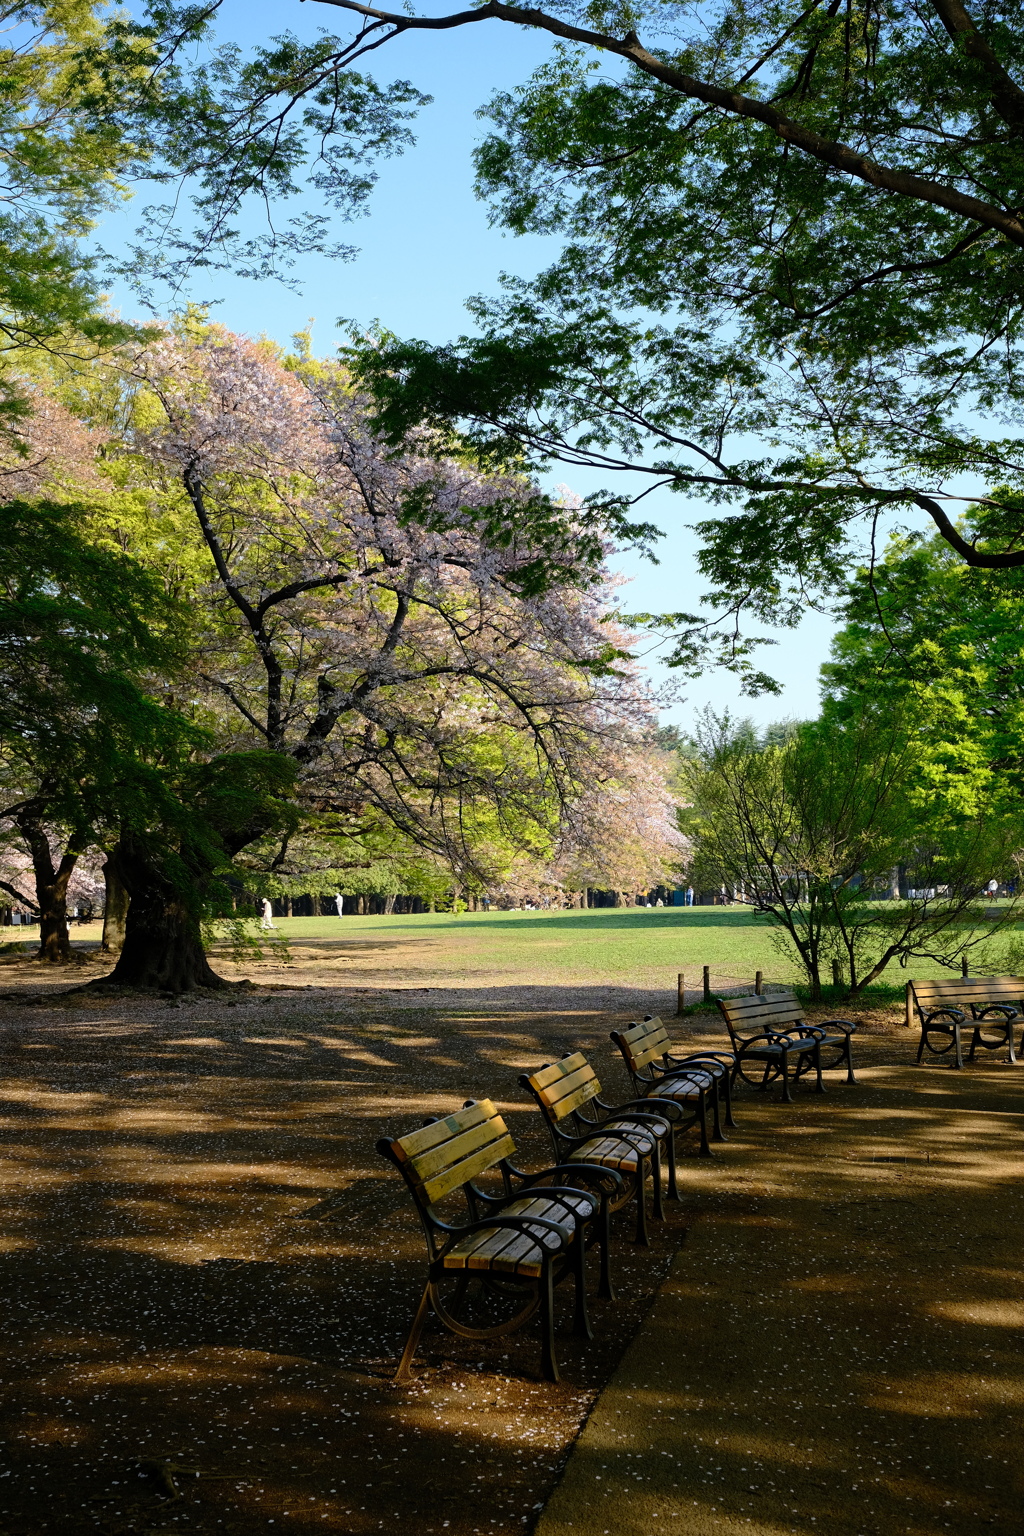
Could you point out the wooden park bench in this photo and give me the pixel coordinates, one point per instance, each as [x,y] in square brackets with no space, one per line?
[986,1005]
[654,1070]
[771,1029]
[518,1244]
[625,1137]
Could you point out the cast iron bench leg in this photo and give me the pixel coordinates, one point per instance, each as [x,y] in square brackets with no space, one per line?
[717,1133]
[641,1202]
[702,1114]
[727,1088]
[549,1364]
[659,1207]
[673,1187]
[606,1289]
[787,1097]
[580,1321]
[404,1374]
[959,1049]
[849,1060]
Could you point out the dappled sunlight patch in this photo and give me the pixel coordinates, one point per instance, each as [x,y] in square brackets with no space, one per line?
[49,1429]
[831,1284]
[986,1314]
[247,1244]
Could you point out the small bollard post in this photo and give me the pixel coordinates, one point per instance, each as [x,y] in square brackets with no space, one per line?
[707,983]
[837,975]
[758,982]
[963,966]
[680,995]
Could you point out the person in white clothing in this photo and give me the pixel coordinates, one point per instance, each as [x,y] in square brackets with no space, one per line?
[268,913]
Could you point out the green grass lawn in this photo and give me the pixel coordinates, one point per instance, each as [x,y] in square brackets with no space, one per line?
[633,945]
[627,946]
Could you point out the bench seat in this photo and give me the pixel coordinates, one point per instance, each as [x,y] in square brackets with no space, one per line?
[516,1245]
[987,1006]
[521,1253]
[695,1079]
[771,1028]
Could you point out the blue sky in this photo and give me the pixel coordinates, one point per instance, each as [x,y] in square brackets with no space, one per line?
[424,248]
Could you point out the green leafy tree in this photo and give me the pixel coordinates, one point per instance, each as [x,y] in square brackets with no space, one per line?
[79,113]
[84,633]
[791,277]
[942,639]
[809,832]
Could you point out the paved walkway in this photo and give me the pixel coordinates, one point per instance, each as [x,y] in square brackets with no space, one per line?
[839,1345]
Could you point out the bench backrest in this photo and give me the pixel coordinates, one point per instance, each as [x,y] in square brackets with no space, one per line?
[563,1087]
[963,991]
[748,1016]
[641,1044]
[446,1154]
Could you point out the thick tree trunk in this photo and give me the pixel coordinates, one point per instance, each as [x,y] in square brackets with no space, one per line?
[115,910]
[51,890]
[163,947]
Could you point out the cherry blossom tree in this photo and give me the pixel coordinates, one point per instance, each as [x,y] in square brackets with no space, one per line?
[373,617]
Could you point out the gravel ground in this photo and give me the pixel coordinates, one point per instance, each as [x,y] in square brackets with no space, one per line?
[207,1272]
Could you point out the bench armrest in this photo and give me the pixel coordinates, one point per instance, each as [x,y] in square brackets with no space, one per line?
[722,1058]
[574,1170]
[774,1037]
[1003,1008]
[517,1224]
[847,1026]
[638,1109]
[957,1015]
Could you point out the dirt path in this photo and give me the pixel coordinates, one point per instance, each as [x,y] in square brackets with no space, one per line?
[205,1267]
[839,1346]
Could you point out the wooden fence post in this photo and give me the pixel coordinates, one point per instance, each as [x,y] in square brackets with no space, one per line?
[758,982]
[680,995]
[963,965]
[707,983]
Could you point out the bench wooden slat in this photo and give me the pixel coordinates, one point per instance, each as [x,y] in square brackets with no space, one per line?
[970,988]
[442,1130]
[452,1178]
[499,1249]
[562,1092]
[757,1008]
[646,1042]
[749,1016]
[545,1076]
[608,1151]
[458,1147]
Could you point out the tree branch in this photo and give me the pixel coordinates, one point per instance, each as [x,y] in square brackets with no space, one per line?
[829,151]
[1002,561]
[18,896]
[1007,96]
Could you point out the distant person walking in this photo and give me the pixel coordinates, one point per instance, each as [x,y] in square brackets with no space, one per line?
[268,914]
[339,902]
[688,898]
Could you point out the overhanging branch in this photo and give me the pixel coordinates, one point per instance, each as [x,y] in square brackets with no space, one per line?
[841,157]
